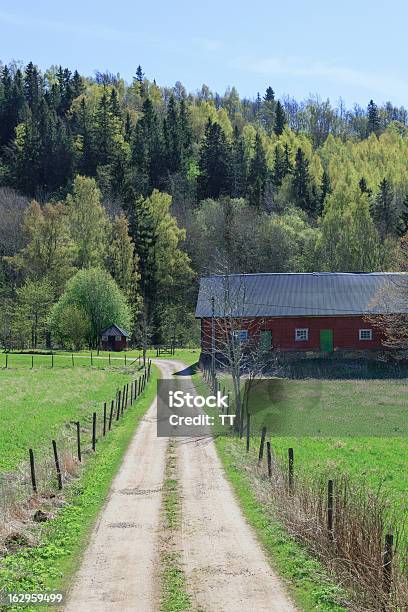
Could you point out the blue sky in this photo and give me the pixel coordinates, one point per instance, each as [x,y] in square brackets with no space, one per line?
[354,49]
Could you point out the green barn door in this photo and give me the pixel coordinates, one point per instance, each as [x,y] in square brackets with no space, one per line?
[266,341]
[326,340]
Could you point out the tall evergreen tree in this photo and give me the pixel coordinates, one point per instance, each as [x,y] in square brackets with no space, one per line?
[325,188]
[148,153]
[384,211]
[267,109]
[373,119]
[257,175]
[301,183]
[214,163]
[238,166]
[280,119]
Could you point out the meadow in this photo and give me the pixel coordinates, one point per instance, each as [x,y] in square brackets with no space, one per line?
[86,358]
[37,404]
[357,428]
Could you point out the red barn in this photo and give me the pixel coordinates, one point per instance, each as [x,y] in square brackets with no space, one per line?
[318,311]
[114,338]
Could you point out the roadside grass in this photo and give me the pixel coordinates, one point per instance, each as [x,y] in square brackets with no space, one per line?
[174,595]
[50,565]
[308,582]
[37,404]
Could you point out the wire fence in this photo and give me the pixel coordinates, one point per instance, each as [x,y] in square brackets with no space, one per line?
[50,468]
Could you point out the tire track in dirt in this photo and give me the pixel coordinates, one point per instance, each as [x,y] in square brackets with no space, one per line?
[119,570]
[225,566]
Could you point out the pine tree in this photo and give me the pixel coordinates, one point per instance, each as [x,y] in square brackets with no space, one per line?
[269,94]
[301,182]
[373,119]
[258,172]
[325,187]
[384,212]
[114,106]
[238,166]
[214,163]
[139,74]
[278,167]
[32,86]
[128,128]
[148,154]
[363,186]
[266,109]
[173,140]
[280,119]
[104,131]
[287,164]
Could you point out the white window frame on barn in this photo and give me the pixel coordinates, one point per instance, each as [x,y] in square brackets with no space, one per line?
[105,338]
[301,334]
[118,338]
[365,334]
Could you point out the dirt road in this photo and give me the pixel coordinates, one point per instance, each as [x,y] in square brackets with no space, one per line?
[226,568]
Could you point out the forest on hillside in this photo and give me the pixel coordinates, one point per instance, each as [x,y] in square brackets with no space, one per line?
[127,192]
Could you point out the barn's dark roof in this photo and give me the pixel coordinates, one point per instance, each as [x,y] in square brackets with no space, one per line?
[112,331]
[303,294]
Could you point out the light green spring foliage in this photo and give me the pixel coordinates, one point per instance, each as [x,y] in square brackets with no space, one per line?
[88,222]
[94,293]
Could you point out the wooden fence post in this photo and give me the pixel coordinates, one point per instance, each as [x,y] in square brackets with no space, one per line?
[248,431]
[123,399]
[91,359]
[109,359]
[261,446]
[52,360]
[104,418]
[330,509]
[269,458]
[388,559]
[32,361]
[111,414]
[94,431]
[6,360]
[57,465]
[72,357]
[78,427]
[290,468]
[32,470]
[118,399]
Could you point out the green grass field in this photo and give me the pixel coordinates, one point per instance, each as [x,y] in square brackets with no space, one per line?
[50,565]
[37,404]
[337,427]
[103,359]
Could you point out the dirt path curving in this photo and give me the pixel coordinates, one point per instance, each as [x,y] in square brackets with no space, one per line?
[225,566]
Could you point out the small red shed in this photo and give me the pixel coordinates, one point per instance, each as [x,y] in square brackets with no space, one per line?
[114,338]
